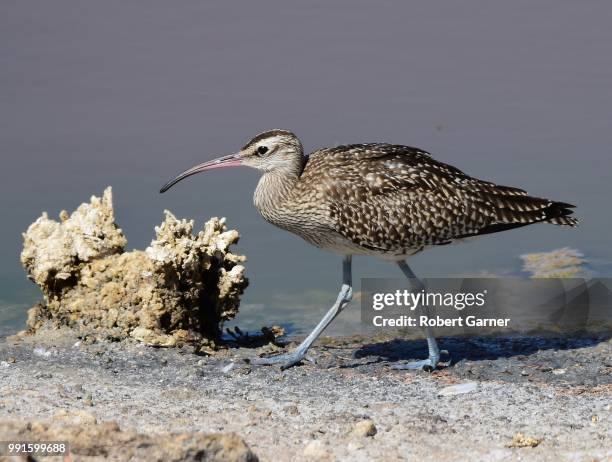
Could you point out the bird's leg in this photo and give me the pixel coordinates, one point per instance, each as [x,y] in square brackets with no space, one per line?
[344,297]
[434,352]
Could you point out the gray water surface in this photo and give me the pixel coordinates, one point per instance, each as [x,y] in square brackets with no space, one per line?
[130,93]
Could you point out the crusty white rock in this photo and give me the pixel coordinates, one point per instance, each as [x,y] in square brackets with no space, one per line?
[52,251]
[180,289]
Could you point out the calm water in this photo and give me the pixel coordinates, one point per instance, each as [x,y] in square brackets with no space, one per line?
[114,93]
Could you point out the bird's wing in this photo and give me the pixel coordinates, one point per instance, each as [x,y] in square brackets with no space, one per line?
[396,198]
[387,167]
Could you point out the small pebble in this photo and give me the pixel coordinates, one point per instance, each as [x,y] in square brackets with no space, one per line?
[40,351]
[291,409]
[364,429]
[316,450]
[227,368]
[522,441]
[458,389]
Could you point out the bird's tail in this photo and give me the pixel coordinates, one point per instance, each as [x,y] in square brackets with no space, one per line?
[514,206]
[521,210]
[511,208]
[558,213]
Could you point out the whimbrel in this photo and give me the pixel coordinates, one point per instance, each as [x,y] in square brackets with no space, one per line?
[383,200]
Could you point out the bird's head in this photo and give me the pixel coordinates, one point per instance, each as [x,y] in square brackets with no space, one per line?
[268,151]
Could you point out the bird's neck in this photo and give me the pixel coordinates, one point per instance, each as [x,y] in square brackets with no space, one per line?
[275,186]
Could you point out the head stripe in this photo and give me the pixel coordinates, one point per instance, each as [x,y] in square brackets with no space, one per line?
[268,134]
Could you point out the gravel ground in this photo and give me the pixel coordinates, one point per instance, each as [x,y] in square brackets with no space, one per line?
[522,399]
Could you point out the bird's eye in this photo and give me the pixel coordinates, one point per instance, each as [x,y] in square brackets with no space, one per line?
[261,150]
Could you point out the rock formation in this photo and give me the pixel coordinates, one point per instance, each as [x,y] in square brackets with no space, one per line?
[179,290]
[560,263]
[104,441]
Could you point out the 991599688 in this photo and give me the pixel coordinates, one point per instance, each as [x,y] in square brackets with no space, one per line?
[38,448]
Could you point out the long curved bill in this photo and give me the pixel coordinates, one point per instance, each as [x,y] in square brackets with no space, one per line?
[233,160]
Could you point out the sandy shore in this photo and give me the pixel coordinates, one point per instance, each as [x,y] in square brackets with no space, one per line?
[351,405]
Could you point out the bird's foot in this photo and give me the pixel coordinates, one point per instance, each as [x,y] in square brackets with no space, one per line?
[430,364]
[286,360]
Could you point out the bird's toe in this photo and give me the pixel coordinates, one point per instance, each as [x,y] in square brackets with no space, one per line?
[430,364]
[424,364]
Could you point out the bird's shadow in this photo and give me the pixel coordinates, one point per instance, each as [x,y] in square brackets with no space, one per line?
[477,348]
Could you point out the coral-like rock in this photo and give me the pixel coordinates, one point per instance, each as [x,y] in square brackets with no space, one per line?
[560,263]
[53,251]
[179,290]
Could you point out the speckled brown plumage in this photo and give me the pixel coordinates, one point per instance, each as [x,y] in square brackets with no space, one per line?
[391,201]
